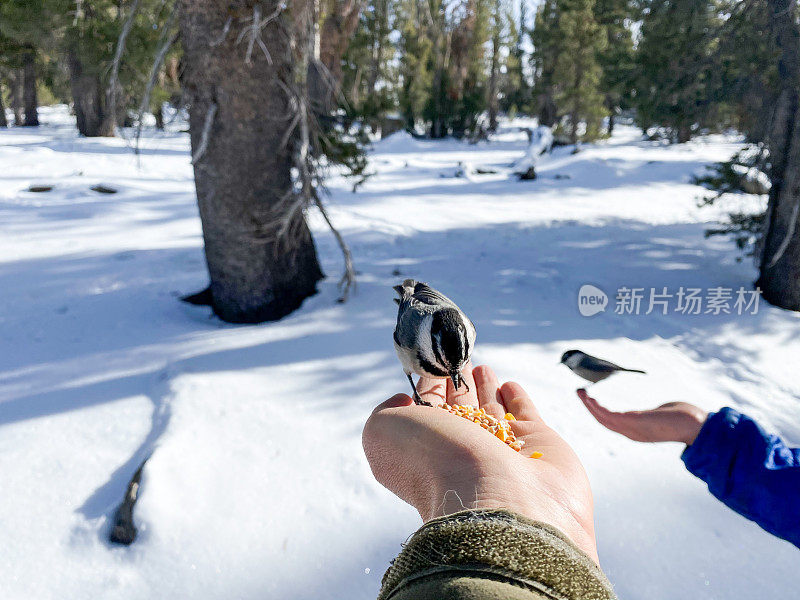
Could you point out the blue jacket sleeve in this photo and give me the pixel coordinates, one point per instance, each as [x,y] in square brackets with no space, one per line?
[752,472]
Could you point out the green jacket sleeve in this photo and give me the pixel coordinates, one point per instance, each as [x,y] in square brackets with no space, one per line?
[492,555]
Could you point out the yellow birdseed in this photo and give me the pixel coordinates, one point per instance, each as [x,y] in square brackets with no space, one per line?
[501,429]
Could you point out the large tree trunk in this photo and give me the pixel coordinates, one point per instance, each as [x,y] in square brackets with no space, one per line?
[780,262]
[87,98]
[242,166]
[15,80]
[29,91]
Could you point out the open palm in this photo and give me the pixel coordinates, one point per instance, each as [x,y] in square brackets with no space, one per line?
[670,422]
[441,463]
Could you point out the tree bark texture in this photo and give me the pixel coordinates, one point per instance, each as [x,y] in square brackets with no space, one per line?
[15,81]
[29,89]
[494,74]
[87,98]
[242,164]
[3,119]
[779,277]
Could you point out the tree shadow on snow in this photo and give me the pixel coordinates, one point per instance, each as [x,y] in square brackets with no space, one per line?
[518,284]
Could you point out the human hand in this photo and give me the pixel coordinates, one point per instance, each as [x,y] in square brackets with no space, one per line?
[441,463]
[670,422]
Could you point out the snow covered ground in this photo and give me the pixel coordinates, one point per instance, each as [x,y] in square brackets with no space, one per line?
[257,487]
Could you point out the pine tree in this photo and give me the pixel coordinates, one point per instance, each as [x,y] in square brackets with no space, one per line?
[415,49]
[744,71]
[439,107]
[545,55]
[617,58]
[498,28]
[27,27]
[468,66]
[577,72]
[672,59]
[516,89]
[368,62]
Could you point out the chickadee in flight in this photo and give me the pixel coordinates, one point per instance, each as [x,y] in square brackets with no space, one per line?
[590,367]
[433,338]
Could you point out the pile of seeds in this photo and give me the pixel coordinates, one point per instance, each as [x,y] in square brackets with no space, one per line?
[501,429]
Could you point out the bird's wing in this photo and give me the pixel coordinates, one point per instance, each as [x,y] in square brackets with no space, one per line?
[599,365]
[427,295]
[408,327]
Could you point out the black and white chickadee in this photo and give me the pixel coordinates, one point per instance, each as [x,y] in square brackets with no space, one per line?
[590,367]
[433,337]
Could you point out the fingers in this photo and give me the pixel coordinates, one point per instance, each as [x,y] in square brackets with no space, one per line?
[611,420]
[518,403]
[488,389]
[461,396]
[432,390]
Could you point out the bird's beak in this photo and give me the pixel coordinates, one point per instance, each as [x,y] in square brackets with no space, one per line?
[456,377]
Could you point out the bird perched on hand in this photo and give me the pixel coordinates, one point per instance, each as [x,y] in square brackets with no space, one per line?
[433,337]
[590,367]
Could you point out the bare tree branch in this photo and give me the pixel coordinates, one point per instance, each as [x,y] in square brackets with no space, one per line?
[111,90]
[206,134]
[787,238]
[224,33]
[348,280]
[166,43]
[253,32]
